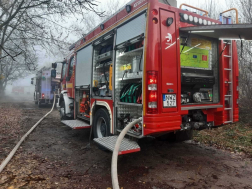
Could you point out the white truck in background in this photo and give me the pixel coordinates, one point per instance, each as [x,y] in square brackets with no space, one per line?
[45,86]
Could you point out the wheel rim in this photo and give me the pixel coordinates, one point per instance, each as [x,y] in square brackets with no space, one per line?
[101,127]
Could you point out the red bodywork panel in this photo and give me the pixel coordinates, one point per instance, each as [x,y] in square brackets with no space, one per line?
[169,62]
[163,56]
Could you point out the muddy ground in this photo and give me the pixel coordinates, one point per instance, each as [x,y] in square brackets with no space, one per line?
[54,156]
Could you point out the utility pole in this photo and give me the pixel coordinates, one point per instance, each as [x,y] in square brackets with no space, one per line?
[210,9]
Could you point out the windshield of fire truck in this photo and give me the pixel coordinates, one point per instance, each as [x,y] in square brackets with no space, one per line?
[199,67]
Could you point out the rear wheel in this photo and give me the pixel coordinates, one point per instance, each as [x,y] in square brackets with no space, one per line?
[101,126]
[63,111]
[184,135]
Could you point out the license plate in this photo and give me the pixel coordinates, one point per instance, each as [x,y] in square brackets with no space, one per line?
[169,100]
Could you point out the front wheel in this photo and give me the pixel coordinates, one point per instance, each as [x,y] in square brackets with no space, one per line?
[101,124]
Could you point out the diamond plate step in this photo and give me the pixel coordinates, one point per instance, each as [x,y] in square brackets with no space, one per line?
[127,146]
[76,124]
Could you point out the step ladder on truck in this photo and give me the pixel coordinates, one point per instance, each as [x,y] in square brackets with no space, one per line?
[177,75]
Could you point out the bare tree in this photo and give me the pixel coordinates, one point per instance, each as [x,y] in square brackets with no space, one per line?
[26,24]
[92,20]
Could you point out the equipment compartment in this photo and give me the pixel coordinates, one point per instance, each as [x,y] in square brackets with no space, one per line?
[102,66]
[128,84]
[105,56]
[199,70]
[82,102]
[125,115]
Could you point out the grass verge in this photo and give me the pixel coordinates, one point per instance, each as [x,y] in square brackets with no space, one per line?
[235,138]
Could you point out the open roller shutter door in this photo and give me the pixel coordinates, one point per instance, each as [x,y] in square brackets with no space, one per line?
[131,29]
[84,66]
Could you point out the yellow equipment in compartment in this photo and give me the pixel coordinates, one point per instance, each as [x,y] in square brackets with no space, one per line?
[95,83]
[110,76]
[127,67]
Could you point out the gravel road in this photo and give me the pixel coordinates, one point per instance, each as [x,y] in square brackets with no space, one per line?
[54,156]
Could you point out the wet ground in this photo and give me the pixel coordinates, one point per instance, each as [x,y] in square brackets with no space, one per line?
[54,156]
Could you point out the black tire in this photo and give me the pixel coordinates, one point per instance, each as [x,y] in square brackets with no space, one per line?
[63,111]
[170,137]
[101,125]
[184,135]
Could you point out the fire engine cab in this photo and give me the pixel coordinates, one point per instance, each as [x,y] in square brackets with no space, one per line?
[176,69]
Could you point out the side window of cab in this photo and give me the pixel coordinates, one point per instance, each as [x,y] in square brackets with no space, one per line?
[63,73]
[70,70]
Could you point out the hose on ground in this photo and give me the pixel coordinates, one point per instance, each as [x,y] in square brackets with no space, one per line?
[114,175]
[12,153]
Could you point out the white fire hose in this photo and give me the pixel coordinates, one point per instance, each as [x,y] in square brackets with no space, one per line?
[114,175]
[12,153]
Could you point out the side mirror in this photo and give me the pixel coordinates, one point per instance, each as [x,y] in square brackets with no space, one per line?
[54,65]
[53,73]
[68,78]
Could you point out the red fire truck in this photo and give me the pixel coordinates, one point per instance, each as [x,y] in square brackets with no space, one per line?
[176,69]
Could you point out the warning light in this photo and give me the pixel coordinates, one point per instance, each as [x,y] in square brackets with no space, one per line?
[155,20]
[154,12]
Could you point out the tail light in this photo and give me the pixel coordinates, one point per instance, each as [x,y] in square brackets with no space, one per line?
[43,95]
[152,92]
